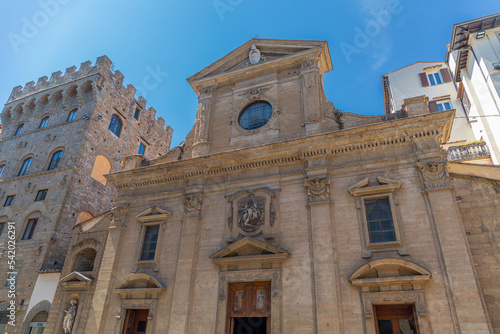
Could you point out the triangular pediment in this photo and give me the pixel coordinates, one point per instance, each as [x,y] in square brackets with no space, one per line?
[250,249]
[76,281]
[153,214]
[271,51]
[363,187]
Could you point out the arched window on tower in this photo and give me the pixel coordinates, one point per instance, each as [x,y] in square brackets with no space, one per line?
[54,162]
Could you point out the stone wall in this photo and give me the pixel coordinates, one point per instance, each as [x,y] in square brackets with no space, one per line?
[479,202]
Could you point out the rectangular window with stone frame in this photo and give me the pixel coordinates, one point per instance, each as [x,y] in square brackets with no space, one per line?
[379,219]
[149,242]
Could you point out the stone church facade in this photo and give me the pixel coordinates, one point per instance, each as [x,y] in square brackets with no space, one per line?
[281,214]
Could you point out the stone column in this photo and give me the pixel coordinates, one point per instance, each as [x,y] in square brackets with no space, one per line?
[322,244]
[465,298]
[181,299]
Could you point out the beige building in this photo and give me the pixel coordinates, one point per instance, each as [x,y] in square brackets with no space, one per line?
[281,214]
[469,82]
[59,137]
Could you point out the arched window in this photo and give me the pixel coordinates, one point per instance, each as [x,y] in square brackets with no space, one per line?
[102,166]
[25,167]
[255,115]
[72,115]
[83,216]
[56,157]
[84,260]
[19,129]
[2,167]
[44,122]
[115,125]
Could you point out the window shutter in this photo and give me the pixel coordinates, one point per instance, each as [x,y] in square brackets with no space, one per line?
[424,80]
[433,106]
[445,73]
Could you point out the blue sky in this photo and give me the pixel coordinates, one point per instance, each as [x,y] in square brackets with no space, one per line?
[175,39]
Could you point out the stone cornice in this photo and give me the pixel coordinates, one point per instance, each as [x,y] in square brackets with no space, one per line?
[358,140]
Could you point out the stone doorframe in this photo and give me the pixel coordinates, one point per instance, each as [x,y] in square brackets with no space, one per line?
[381,282]
[245,276]
[133,298]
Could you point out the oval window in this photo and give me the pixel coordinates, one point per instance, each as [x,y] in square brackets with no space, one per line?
[255,115]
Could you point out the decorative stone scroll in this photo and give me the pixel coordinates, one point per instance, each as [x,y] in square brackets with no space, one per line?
[318,190]
[435,174]
[192,205]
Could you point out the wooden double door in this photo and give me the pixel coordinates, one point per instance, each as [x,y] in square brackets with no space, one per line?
[136,321]
[396,319]
[249,308]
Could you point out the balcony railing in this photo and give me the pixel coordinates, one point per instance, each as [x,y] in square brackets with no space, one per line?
[467,152]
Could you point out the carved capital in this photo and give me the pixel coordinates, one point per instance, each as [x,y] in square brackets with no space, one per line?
[118,216]
[435,174]
[318,190]
[192,205]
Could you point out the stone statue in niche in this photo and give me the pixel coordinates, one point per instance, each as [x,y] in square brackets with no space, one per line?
[251,213]
[254,55]
[317,190]
[69,318]
[435,174]
[261,300]
[238,301]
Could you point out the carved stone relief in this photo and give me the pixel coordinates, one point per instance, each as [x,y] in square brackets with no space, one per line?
[192,205]
[238,303]
[261,300]
[318,190]
[251,213]
[435,174]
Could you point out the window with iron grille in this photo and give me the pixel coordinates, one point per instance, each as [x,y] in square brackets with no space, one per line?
[85,260]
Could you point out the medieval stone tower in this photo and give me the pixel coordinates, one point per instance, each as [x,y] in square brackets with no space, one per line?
[59,137]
